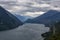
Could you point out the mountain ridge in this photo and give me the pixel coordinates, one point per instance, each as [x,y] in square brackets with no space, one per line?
[47,18]
[8,20]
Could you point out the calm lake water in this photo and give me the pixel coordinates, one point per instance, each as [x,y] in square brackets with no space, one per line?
[25,32]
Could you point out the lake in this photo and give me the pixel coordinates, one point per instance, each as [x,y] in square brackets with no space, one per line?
[27,31]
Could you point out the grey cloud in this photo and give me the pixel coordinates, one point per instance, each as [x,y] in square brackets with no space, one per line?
[34,9]
[11,4]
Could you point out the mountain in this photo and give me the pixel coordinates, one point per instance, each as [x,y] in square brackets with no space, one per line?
[47,18]
[7,20]
[21,18]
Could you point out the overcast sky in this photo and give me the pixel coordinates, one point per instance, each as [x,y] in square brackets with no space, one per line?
[32,8]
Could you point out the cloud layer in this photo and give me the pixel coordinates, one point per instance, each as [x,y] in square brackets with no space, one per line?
[29,7]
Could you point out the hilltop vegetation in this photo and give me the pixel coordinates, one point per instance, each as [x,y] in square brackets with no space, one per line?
[54,33]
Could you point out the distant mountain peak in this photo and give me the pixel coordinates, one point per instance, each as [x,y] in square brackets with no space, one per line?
[1,8]
[52,10]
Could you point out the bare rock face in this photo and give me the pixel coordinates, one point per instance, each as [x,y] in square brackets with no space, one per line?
[7,20]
